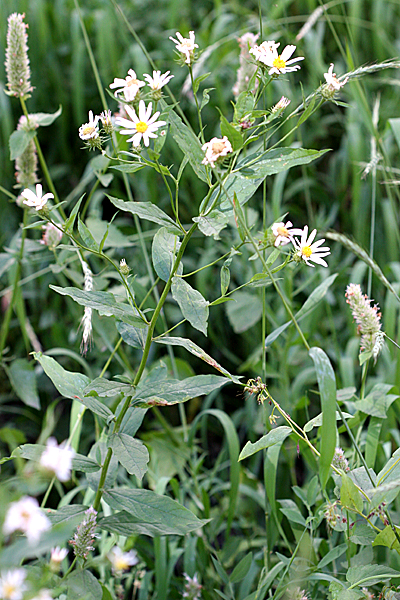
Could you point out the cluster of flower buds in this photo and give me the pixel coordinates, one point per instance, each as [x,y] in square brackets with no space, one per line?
[333,515]
[340,461]
[85,534]
[192,587]
[257,387]
[379,511]
[368,319]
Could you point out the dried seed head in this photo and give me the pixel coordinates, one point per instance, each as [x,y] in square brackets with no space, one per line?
[17,61]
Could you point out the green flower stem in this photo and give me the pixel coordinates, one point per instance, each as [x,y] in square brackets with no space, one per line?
[43,162]
[268,270]
[7,317]
[143,362]
[197,106]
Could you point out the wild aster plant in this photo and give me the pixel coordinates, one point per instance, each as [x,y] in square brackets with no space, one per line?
[17,61]
[85,534]
[367,318]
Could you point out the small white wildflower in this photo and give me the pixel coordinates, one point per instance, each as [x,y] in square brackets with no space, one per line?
[86,322]
[142,126]
[36,200]
[120,560]
[267,54]
[129,86]
[26,516]
[57,460]
[158,81]
[90,130]
[57,556]
[215,149]
[284,233]
[192,587]
[185,46]
[106,121]
[308,251]
[12,586]
[332,81]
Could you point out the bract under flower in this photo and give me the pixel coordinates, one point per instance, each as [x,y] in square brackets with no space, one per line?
[36,200]
[142,126]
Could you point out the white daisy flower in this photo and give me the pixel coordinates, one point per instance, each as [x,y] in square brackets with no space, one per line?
[57,460]
[142,126]
[120,560]
[308,251]
[129,86]
[89,131]
[284,233]
[185,46]
[267,54]
[215,149]
[332,81]
[25,515]
[36,200]
[158,81]
[12,586]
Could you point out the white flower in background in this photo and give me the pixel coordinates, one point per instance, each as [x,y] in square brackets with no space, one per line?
[267,53]
[158,81]
[89,131]
[43,595]
[284,233]
[57,459]
[129,86]
[120,560]
[36,200]
[142,126]
[25,515]
[57,556]
[308,251]
[215,149]
[185,46]
[12,586]
[333,84]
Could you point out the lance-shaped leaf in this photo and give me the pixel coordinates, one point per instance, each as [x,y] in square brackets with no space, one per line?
[19,141]
[147,513]
[212,223]
[104,302]
[147,211]
[350,496]
[131,453]
[251,172]
[107,389]
[327,388]
[370,574]
[196,351]
[163,252]
[192,304]
[172,391]
[272,437]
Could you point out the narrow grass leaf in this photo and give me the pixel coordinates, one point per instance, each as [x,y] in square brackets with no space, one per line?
[327,388]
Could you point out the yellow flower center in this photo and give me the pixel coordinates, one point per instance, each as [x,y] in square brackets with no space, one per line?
[218,147]
[283,231]
[89,129]
[141,127]
[132,82]
[306,251]
[120,564]
[279,63]
[9,590]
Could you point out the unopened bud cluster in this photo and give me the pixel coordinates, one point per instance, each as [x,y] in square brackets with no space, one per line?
[379,511]
[256,386]
[333,515]
[368,319]
[85,534]
[340,461]
[17,61]
[26,163]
